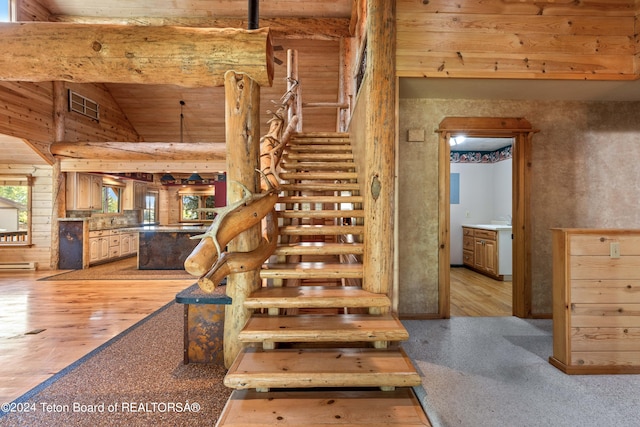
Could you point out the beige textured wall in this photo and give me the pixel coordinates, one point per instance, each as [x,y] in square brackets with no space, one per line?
[584,174]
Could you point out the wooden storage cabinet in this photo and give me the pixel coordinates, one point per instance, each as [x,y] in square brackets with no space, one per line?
[596,301]
[84,191]
[134,196]
[106,245]
[98,246]
[481,251]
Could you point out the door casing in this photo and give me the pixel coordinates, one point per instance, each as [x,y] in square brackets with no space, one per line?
[522,132]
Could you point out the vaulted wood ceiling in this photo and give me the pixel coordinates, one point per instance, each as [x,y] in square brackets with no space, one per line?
[154,111]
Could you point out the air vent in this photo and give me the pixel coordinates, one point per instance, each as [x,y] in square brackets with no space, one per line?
[83,105]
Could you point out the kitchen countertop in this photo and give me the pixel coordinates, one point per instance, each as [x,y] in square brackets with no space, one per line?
[494,227]
[167,228]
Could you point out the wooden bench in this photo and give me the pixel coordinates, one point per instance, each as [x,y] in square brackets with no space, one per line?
[203,323]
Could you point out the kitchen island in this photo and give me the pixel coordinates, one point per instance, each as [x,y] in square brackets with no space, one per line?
[166,247]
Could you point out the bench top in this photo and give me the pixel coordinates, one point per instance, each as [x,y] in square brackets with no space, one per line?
[194,295]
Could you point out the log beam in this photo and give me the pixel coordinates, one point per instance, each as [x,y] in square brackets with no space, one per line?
[138,151]
[87,53]
[280,28]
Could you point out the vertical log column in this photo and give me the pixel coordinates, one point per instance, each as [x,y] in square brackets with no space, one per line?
[380,152]
[242,105]
[59,182]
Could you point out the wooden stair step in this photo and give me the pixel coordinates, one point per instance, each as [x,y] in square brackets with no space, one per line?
[323,328]
[318,156]
[321,230]
[316,148]
[329,175]
[311,270]
[321,186]
[323,408]
[314,297]
[319,248]
[320,199]
[321,367]
[307,166]
[338,213]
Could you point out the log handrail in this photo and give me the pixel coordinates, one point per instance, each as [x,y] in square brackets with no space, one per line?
[210,261]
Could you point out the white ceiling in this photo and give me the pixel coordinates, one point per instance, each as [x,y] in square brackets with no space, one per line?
[482,144]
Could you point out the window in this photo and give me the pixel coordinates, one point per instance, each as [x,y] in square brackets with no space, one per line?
[111,199]
[15,210]
[191,202]
[150,214]
[83,105]
[5,7]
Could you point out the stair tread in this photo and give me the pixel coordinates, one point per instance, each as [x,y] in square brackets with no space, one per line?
[319,147]
[319,248]
[322,408]
[320,186]
[321,229]
[321,367]
[318,156]
[320,199]
[324,213]
[290,165]
[318,175]
[315,297]
[323,328]
[311,270]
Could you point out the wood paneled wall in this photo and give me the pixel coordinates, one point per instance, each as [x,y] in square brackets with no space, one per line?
[27,113]
[31,10]
[517,39]
[41,202]
[113,124]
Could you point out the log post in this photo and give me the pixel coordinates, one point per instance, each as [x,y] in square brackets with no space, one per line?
[59,180]
[380,153]
[242,106]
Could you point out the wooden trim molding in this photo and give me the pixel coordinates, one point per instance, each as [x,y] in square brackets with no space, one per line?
[522,132]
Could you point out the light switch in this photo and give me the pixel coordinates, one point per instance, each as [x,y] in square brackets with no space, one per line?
[614,249]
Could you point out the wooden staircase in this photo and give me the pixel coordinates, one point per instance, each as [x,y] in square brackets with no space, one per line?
[320,350]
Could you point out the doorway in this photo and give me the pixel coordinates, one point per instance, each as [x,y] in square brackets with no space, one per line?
[480,202]
[521,131]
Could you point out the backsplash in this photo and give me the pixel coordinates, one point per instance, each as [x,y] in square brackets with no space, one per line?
[131,218]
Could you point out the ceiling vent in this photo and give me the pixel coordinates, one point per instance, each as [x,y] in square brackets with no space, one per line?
[83,105]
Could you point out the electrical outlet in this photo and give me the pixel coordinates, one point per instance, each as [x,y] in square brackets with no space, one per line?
[467,214]
[614,249]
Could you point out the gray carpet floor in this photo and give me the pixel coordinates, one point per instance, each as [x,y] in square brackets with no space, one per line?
[491,371]
[494,371]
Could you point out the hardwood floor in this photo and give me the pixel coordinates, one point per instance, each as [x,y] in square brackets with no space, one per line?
[47,325]
[476,295]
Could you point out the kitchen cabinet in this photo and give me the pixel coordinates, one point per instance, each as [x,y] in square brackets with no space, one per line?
[84,191]
[134,196]
[596,301]
[126,244]
[108,245]
[487,250]
[98,246]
